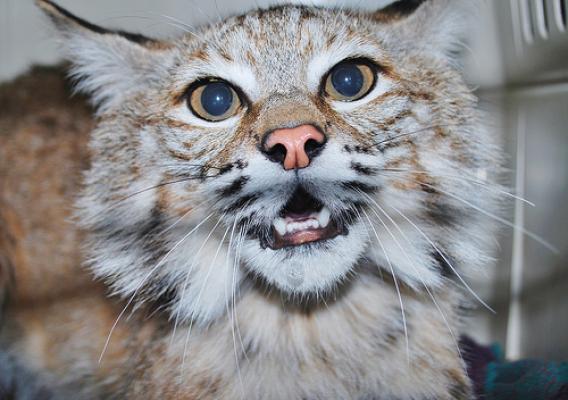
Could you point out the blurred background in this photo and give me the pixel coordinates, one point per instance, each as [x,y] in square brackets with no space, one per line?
[516,59]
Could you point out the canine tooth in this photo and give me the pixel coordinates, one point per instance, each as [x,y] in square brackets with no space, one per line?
[324,216]
[280,226]
[314,223]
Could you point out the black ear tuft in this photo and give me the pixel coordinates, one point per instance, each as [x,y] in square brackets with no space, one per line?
[432,27]
[399,9]
[61,17]
[109,65]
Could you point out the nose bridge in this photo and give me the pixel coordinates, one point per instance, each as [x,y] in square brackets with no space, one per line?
[288,111]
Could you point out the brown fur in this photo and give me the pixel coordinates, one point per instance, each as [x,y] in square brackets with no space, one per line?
[43,149]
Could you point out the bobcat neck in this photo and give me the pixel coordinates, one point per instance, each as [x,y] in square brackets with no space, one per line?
[266,349]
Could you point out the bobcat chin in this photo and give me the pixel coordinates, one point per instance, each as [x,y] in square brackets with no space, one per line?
[280,205]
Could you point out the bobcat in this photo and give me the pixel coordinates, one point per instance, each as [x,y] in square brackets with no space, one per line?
[280,205]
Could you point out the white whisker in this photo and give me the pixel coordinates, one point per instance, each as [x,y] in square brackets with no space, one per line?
[186,344]
[184,26]
[144,279]
[177,221]
[230,318]
[444,258]
[496,218]
[189,271]
[426,287]
[395,284]
[406,134]
[236,265]
[464,178]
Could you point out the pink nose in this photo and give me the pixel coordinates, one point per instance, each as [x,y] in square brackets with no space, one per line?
[299,144]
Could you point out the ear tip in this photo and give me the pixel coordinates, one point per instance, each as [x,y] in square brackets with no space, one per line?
[52,10]
[47,6]
[63,19]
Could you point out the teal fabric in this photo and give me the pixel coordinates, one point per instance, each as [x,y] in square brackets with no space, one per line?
[525,380]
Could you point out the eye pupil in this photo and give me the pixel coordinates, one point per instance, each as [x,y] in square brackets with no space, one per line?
[347,79]
[216,98]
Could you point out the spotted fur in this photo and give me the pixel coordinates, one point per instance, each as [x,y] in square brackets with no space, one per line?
[178,212]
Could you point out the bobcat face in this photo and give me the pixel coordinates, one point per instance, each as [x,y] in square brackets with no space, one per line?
[287,145]
[285,173]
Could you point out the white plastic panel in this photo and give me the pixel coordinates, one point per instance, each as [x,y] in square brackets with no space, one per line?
[534,40]
[538,321]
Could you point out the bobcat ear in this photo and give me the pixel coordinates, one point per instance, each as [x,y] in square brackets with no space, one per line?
[438,26]
[108,65]
[398,10]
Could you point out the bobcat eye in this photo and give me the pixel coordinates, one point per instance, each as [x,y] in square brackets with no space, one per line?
[214,101]
[350,81]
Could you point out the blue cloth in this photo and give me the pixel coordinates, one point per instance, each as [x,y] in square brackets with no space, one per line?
[495,378]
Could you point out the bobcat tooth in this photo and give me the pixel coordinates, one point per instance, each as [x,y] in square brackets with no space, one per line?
[323,217]
[280,226]
[292,227]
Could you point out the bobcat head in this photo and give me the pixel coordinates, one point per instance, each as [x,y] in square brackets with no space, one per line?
[287,148]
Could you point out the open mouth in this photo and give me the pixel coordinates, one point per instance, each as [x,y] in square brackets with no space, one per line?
[303,220]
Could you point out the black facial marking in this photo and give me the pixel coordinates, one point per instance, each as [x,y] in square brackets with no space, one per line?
[247,220]
[428,189]
[348,217]
[359,186]
[460,391]
[253,229]
[241,202]
[363,169]
[445,268]
[241,164]
[266,239]
[257,231]
[165,295]
[363,150]
[225,169]
[443,214]
[149,234]
[389,144]
[234,188]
